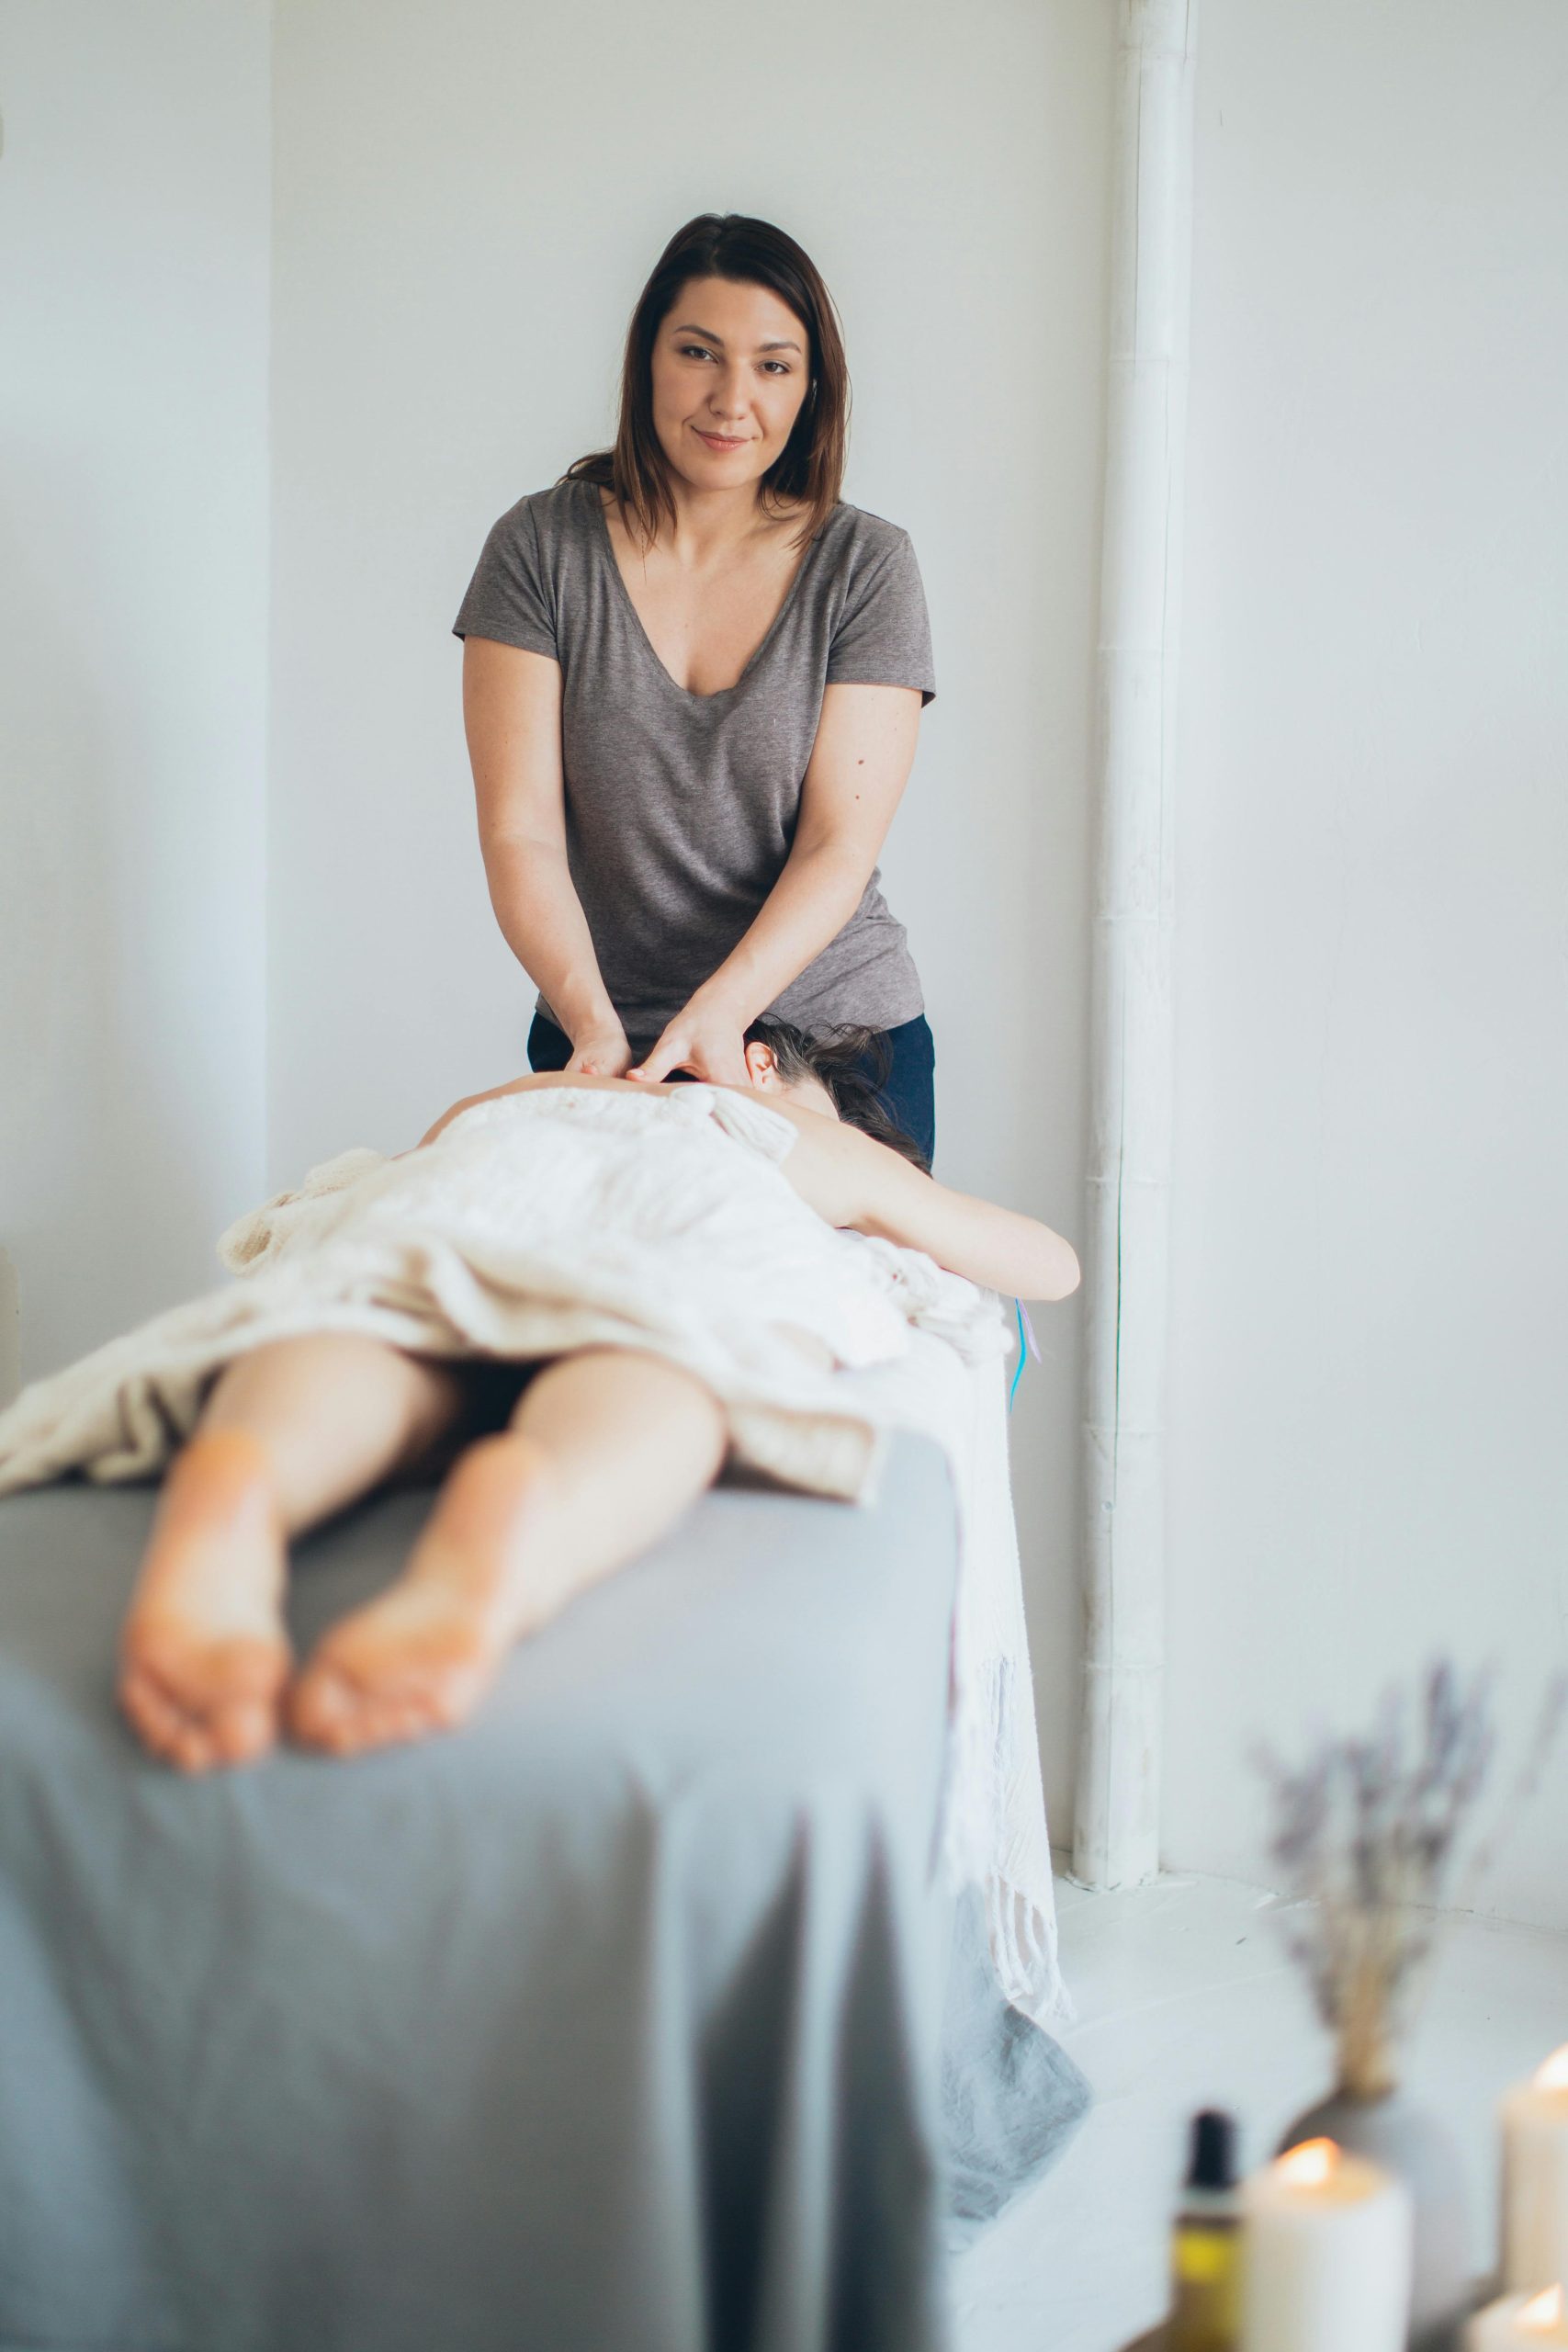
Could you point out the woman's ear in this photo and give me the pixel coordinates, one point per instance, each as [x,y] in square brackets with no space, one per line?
[761,1064]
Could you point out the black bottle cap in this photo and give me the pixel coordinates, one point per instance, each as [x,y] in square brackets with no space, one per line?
[1214,2150]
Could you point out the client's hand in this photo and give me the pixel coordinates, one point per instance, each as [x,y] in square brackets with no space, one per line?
[599,1053]
[706,1038]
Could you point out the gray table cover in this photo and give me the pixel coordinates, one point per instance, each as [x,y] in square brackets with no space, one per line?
[633,2017]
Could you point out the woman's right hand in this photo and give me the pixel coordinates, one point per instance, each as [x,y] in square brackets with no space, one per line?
[600,1053]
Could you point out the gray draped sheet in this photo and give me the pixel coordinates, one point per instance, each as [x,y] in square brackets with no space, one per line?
[633,2017]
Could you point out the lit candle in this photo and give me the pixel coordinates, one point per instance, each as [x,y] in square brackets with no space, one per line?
[1326,2254]
[1535,2178]
[1519,2323]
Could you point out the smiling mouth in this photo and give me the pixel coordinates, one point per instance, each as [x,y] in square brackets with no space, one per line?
[730,440]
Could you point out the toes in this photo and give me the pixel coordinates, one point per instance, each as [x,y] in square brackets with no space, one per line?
[331,1709]
[396,1726]
[333,1714]
[319,1706]
[243,1732]
[220,1710]
[193,1749]
[163,1727]
[152,1715]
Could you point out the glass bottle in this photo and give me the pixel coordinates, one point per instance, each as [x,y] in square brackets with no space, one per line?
[1205,2247]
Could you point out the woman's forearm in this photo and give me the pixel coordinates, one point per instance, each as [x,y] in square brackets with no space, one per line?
[818,888]
[1000,1247]
[511,707]
[542,921]
[855,1181]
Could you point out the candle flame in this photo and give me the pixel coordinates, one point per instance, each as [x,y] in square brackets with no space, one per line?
[1545,2312]
[1553,2076]
[1311,2163]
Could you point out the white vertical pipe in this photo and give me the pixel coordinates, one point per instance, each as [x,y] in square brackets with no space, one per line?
[1116,1840]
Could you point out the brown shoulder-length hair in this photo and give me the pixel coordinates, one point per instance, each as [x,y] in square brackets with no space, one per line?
[750,253]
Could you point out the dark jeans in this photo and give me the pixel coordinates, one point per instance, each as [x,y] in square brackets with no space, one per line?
[908,1091]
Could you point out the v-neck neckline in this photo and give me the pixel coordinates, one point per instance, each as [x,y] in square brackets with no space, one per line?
[686,692]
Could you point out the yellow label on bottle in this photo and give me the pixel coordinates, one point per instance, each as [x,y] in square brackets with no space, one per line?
[1205,2304]
[1203,2255]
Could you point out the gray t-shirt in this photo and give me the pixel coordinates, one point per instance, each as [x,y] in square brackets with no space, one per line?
[681,808]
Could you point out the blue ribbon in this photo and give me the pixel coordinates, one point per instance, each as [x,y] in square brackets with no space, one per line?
[1027,1346]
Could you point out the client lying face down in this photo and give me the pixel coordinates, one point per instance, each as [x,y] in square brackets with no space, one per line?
[578,1467]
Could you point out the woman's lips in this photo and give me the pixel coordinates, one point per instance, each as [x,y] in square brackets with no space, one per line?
[722,441]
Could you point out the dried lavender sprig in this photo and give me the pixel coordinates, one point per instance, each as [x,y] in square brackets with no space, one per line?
[1370,1843]
[1549,1723]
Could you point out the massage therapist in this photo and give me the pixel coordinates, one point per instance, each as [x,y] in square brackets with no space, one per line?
[692,680]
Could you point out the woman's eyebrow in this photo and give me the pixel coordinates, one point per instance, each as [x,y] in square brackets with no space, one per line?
[689,326]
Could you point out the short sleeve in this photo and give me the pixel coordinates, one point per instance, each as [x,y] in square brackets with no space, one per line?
[508,597]
[884,637]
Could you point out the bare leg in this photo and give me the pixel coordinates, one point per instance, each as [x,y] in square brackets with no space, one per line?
[606,1449]
[290,1432]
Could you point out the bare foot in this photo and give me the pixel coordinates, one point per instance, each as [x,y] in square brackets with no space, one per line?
[421,1657]
[203,1655]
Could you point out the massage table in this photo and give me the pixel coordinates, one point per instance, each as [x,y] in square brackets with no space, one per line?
[633,2017]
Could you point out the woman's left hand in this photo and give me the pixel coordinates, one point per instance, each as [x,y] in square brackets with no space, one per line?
[706,1038]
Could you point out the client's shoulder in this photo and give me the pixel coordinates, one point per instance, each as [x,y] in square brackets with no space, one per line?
[846,1176]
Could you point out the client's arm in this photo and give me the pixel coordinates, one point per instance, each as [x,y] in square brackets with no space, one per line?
[853,1180]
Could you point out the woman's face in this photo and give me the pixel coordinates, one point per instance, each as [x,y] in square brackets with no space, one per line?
[731,361]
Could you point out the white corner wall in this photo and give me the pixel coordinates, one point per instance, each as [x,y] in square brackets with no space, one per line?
[1368,1396]
[134,291]
[468,200]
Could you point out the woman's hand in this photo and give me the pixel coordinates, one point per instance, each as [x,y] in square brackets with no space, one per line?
[705,1037]
[599,1053]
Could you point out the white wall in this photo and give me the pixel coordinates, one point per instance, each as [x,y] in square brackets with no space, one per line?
[468,200]
[133,289]
[1368,1400]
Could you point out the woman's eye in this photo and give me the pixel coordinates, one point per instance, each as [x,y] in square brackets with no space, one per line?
[696,351]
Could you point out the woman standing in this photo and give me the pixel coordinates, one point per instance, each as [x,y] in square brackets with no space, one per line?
[692,680]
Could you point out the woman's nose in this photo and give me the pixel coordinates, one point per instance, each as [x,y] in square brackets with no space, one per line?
[729,395]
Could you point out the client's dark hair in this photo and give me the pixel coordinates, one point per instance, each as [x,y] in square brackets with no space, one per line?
[851,1064]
